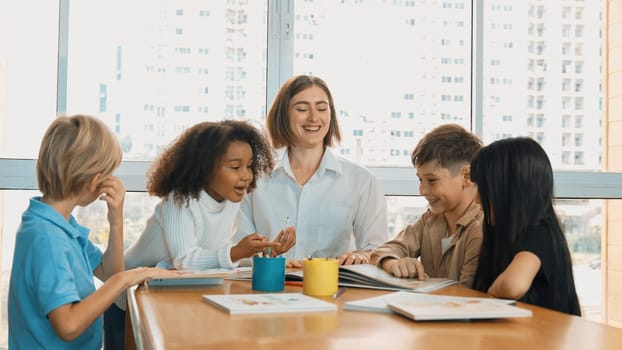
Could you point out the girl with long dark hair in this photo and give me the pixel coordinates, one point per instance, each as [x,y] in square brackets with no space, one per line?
[524,253]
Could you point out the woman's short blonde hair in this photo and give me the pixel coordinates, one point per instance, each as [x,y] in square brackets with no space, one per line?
[73,150]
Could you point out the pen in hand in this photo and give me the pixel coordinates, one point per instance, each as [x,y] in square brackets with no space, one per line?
[284,238]
[285,227]
[280,238]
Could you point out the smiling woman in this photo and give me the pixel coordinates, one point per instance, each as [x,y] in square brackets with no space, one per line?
[335,205]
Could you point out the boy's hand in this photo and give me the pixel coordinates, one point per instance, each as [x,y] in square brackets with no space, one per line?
[287,238]
[352,258]
[141,274]
[113,193]
[404,268]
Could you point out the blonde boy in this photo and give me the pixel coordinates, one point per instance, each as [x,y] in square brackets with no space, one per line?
[53,303]
[445,241]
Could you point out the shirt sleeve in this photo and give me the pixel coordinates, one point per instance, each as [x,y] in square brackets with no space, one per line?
[53,279]
[370,221]
[407,243]
[182,240]
[538,241]
[472,247]
[94,254]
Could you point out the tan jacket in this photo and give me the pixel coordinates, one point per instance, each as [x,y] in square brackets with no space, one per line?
[423,240]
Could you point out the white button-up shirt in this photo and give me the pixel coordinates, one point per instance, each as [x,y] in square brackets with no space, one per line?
[340,208]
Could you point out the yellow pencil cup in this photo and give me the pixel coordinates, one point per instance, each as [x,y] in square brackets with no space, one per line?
[320,276]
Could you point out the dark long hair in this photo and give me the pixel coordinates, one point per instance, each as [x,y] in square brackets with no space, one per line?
[188,163]
[514,178]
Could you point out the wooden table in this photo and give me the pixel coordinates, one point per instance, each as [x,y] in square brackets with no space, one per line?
[177,318]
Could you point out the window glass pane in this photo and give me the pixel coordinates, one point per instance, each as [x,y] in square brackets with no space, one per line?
[396,69]
[402,211]
[583,223]
[12,205]
[548,77]
[545,73]
[28,57]
[138,207]
[184,62]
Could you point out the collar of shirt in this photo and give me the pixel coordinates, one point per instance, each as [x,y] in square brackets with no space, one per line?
[46,212]
[212,205]
[329,162]
[472,213]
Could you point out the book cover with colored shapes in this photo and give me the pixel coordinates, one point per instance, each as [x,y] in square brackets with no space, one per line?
[380,303]
[268,303]
[425,307]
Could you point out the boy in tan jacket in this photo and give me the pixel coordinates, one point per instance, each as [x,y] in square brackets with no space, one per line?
[445,241]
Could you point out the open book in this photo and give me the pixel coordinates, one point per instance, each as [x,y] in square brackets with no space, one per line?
[373,277]
[268,303]
[381,303]
[195,277]
[426,307]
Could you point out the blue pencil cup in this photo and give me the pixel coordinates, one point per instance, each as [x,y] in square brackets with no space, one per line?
[268,274]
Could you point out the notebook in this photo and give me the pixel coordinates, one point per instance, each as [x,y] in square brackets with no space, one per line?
[373,277]
[268,303]
[207,277]
[425,307]
[381,303]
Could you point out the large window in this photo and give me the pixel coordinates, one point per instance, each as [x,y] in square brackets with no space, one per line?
[151,68]
[28,61]
[396,69]
[164,66]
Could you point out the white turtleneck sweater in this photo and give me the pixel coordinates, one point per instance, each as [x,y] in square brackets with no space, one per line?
[195,237]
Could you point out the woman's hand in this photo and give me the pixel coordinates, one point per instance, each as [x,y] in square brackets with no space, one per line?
[294,264]
[287,239]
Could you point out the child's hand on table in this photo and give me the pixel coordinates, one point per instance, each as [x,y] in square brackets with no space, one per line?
[404,268]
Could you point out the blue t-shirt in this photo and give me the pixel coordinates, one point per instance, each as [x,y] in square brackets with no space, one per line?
[53,265]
